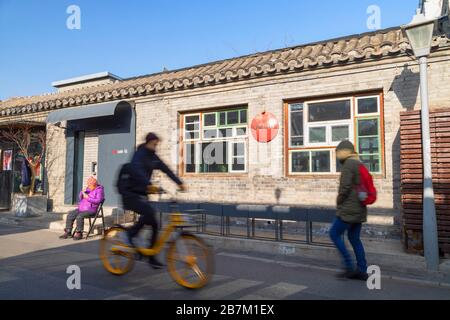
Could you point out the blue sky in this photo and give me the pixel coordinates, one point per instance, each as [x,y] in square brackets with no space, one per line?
[137,37]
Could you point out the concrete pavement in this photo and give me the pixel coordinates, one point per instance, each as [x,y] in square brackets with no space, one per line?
[33,265]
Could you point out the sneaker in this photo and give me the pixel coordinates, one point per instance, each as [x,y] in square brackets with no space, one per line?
[78,236]
[348,274]
[67,234]
[155,263]
[358,275]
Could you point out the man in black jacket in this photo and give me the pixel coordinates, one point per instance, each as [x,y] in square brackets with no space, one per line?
[138,185]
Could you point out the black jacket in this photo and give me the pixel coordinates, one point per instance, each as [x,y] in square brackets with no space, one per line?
[140,172]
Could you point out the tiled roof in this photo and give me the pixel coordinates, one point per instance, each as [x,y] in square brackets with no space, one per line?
[369,46]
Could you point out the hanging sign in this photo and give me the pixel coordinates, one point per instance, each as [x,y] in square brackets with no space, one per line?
[265,127]
[7,160]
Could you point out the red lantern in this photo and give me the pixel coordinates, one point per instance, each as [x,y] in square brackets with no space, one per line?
[265,127]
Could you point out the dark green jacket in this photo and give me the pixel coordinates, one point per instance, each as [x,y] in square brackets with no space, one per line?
[349,208]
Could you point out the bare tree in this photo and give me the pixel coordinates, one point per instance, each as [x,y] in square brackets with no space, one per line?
[24,135]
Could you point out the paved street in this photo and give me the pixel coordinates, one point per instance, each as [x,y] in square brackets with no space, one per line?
[33,266]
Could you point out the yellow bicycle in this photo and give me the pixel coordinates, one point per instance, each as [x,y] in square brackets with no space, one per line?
[189,259]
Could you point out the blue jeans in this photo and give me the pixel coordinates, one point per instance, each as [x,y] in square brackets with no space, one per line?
[353,232]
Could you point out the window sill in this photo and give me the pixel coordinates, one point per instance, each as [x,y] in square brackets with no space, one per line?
[209,175]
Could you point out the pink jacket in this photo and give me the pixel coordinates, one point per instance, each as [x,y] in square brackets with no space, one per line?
[93,201]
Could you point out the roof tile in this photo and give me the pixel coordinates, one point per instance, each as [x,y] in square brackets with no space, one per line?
[327,53]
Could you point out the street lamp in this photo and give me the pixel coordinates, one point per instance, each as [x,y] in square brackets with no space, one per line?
[420,35]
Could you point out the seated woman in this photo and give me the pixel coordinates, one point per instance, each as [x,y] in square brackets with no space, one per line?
[90,200]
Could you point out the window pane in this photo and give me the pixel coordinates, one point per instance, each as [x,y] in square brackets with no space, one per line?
[320,161]
[232,117]
[241,131]
[191,119]
[297,107]
[210,134]
[189,158]
[243,116]
[300,162]
[368,105]
[214,157]
[317,134]
[192,126]
[329,111]
[368,145]
[238,164]
[210,119]
[296,127]
[222,118]
[297,141]
[340,133]
[338,165]
[226,133]
[368,127]
[238,149]
[371,162]
[192,135]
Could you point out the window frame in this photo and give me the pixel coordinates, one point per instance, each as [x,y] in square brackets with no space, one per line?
[289,119]
[332,162]
[357,114]
[353,134]
[376,117]
[230,141]
[200,129]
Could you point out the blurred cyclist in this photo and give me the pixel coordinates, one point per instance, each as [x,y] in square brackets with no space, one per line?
[135,184]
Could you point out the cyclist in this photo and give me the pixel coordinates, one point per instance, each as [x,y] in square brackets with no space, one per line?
[135,184]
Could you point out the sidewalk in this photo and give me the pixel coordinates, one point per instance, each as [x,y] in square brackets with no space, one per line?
[388,254]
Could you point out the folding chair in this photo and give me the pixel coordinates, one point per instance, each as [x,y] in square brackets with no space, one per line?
[98,214]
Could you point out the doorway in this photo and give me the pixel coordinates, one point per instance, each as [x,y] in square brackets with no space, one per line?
[78,165]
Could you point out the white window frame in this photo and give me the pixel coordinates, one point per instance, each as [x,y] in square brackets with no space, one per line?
[231,156]
[200,129]
[329,145]
[196,144]
[290,123]
[333,168]
[357,114]
[209,113]
[235,138]
[327,124]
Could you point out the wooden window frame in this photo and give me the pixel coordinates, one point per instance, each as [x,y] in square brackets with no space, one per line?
[288,149]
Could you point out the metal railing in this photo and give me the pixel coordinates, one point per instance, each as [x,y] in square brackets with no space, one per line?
[253,218]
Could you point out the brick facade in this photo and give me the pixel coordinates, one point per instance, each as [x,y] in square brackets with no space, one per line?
[398,80]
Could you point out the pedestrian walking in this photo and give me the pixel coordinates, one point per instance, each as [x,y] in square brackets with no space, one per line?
[356,191]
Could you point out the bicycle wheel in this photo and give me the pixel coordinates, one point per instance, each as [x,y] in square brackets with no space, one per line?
[116,257]
[190,261]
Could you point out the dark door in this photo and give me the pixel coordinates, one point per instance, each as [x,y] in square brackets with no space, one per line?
[5,189]
[78,165]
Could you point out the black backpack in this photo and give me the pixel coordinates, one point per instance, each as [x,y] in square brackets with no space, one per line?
[124,183]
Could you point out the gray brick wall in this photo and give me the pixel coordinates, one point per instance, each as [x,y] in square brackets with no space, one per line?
[266,170]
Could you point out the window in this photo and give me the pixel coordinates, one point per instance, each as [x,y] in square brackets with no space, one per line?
[221,146]
[296,124]
[369,144]
[329,111]
[238,157]
[368,105]
[315,128]
[311,161]
[192,127]
[209,119]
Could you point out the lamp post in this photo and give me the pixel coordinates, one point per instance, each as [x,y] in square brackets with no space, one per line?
[420,35]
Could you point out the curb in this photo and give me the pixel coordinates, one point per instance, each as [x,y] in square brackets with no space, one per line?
[329,254]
